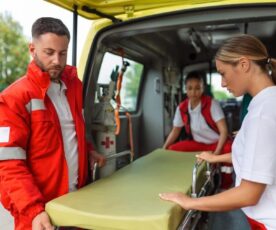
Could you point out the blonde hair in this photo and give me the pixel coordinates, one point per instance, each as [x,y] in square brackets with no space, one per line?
[250,47]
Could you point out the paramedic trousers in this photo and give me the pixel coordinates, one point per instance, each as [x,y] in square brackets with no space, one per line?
[193,146]
[255,225]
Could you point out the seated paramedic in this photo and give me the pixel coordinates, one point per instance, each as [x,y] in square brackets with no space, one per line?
[43,149]
[204,123]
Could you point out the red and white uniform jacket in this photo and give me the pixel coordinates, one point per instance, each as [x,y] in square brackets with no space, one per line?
[206,102]
[33,168]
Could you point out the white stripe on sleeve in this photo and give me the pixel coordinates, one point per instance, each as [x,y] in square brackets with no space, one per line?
[12,153]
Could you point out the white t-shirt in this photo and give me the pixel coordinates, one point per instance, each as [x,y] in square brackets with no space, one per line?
[254,154]
[200,129]
[56,92]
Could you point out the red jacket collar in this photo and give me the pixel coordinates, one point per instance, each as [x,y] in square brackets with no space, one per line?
[42,79]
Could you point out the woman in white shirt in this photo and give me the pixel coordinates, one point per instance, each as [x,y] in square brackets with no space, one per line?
[246,67]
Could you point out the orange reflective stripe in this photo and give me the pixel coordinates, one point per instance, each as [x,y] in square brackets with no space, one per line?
[118,102]
[117,121]
[119,86]
[130,135]
[117,95]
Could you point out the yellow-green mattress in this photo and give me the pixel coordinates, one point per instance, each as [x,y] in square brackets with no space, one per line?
[128,199]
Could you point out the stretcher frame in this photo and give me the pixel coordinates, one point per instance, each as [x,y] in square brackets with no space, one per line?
[192,217]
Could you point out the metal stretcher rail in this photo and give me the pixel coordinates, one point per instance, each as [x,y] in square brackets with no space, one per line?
[192,217]
[111,157]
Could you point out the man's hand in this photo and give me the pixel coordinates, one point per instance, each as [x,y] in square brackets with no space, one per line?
[96,157]
[42,222]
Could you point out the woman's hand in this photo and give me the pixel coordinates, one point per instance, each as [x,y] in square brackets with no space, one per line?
[176,197]
[206,156]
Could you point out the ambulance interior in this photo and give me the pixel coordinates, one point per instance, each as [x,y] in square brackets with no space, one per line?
[160,51]
[152,56]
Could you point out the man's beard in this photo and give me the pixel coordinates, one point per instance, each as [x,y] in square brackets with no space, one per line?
[56,75]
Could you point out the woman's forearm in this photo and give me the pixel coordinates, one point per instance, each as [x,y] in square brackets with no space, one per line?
[174,134]
[213,158]
[220,144]
[247,194]
[223,133]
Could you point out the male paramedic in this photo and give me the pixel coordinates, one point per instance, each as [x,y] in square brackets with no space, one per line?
[43,149]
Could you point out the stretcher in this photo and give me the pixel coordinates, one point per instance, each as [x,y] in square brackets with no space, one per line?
[128,199]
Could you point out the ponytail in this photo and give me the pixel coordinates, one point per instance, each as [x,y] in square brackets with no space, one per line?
[272,69]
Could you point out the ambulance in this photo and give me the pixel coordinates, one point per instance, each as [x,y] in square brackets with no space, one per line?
[133,66]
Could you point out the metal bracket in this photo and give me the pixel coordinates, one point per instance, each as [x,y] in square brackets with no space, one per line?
[129,10]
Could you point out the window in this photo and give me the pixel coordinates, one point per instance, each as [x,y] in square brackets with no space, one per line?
[131,80]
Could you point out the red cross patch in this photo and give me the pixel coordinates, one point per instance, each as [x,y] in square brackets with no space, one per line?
[107,142]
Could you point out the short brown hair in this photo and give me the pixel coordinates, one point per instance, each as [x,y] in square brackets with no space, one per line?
[49,25]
